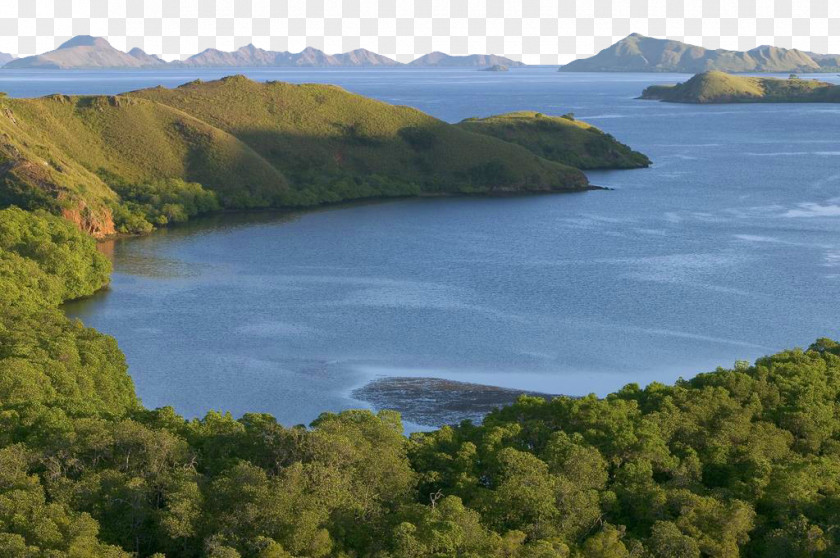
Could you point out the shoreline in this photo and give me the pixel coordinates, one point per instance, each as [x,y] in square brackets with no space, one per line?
[435,402]
[351,203]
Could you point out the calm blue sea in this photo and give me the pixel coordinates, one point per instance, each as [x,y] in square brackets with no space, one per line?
[727,248]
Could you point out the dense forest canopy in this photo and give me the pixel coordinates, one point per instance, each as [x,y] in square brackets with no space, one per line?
[735,462]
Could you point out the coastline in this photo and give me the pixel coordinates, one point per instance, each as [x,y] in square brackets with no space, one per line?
[291,211]
[434,402]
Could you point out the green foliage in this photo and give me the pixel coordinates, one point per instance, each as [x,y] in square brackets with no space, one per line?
[735,462]
[45,359]
[157,203]
[70,267]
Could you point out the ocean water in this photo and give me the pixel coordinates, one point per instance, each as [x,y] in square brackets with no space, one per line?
[727,248]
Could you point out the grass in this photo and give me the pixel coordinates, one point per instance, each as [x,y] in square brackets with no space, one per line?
[274,145]
[559,138]
[321,128]
[720,87]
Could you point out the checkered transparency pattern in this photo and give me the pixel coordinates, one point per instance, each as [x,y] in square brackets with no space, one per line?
[534,31]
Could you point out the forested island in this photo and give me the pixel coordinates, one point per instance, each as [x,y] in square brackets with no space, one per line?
[736,462]
[720,87]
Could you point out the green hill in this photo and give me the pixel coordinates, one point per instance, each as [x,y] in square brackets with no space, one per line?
[335,145]
[720,87]
[559,138]
[249,144]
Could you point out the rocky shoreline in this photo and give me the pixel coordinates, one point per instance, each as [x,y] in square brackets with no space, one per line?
[434,401]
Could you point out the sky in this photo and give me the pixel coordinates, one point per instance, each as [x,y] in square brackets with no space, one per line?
[533,31]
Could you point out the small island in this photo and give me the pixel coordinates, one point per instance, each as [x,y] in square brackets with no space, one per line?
[720,87]
[496,68]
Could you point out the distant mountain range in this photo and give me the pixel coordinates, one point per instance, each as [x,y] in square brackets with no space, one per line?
[5,58]
[637,53]
[85,52]
[312,57]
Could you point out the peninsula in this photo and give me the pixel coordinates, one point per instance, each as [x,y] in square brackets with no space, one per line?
[562,139]
[720,87]
[128,163]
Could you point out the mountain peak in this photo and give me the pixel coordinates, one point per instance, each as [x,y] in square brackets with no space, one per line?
[86,52]
[638,53]
[84,41]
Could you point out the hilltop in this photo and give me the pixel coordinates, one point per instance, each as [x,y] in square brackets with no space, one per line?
[479,60]
[720,87]
[638,53]
[86,52]
[559,138]
[131,161]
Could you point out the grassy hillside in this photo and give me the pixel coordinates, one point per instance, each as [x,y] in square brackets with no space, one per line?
[36,175]
[335,145]
[559,138]
[720,87]
[250,144]
[137,140]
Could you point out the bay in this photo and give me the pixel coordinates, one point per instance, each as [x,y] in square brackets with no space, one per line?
[727,248]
